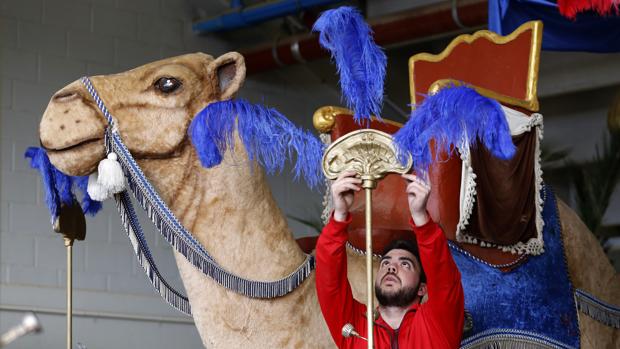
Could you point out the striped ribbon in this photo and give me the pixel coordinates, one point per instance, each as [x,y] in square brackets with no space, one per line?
[511,339]
[174,232]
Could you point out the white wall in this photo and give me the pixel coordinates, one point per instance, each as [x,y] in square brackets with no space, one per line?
[43,46]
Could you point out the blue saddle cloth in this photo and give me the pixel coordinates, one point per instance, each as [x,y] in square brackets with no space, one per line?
[536,297]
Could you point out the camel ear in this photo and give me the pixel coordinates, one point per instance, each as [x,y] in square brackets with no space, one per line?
[229,70]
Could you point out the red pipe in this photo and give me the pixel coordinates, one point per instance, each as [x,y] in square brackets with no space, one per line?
[388,31]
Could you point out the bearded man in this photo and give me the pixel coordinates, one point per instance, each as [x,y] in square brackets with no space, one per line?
[406,274]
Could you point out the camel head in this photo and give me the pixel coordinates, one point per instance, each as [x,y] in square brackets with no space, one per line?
[153,106]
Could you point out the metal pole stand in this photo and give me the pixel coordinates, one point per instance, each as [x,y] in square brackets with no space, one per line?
[72,225]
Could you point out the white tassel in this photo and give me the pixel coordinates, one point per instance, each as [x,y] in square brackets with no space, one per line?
[95,190]
[111,175]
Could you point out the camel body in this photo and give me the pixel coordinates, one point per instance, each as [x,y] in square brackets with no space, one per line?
[230,209]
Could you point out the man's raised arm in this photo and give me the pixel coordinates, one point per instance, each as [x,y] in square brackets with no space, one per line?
[445,305]
[332,285]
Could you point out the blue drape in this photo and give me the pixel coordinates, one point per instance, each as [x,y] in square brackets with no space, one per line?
[535,297]
[589,32]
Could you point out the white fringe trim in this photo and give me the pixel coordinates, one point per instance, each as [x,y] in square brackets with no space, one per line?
[467,196]
[519,123]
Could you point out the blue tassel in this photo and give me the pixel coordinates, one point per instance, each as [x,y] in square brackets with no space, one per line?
[360,62]
[57,186]
[268,136]
[447,117]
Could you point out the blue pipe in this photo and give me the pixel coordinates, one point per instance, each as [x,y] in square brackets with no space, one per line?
[256,14]
[238,4]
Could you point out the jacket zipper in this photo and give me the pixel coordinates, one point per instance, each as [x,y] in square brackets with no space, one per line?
[394,344]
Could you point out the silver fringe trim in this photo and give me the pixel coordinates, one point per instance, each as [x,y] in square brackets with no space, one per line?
[182,240]
[455,247]
[360,251]
[511,339]
[136,236]
[597,309]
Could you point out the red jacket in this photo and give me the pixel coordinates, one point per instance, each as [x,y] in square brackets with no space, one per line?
[436,324]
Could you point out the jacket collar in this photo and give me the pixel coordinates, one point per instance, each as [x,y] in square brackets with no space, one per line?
[379,321]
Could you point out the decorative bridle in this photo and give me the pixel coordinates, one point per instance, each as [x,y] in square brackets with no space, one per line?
[173,231]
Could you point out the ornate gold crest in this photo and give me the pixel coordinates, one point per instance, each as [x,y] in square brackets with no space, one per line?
[368,152]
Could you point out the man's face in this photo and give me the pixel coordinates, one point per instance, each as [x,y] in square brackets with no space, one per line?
[398,279]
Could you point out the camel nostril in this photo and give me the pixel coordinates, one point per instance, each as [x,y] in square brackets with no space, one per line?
[65,96]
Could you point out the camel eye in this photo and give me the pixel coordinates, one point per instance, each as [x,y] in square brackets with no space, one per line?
[167,84]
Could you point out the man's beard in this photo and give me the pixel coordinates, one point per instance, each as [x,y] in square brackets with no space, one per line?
[401,298]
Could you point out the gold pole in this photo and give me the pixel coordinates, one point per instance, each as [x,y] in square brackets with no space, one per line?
[69,245]
[369,269]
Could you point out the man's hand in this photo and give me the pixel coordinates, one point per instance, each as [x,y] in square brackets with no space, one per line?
[342,194]
[417,195]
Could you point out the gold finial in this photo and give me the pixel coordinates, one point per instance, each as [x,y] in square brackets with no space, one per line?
[368,152]
[324,118]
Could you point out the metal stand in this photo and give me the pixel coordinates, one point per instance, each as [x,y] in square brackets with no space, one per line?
[69,245]
[72,225]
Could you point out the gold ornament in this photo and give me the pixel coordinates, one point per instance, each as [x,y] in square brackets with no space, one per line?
[368,152]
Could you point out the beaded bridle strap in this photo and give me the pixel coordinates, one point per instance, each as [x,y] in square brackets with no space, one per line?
[173,231]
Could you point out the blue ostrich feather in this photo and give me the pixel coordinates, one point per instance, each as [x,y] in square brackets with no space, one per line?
[89,206]
[58,187]
[40,162]
[449,117]
[64,185]
[268,136]
[360,62]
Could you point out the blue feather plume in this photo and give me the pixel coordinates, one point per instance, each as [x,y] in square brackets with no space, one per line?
[89,206]
[448,117]
[58,187]
[40,162]
[268,136]
[360,62]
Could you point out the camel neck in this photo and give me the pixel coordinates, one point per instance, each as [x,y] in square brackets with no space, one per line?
[230,210]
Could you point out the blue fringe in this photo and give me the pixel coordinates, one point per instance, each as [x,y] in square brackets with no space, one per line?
[360,62]
[268,136]
[58,187]
[447,117]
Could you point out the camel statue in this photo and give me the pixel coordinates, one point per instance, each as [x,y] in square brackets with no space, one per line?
[229,208]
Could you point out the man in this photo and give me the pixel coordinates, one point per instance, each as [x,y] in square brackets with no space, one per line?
[403,278]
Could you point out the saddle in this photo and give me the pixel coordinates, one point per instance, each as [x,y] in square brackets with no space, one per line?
[488,207]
